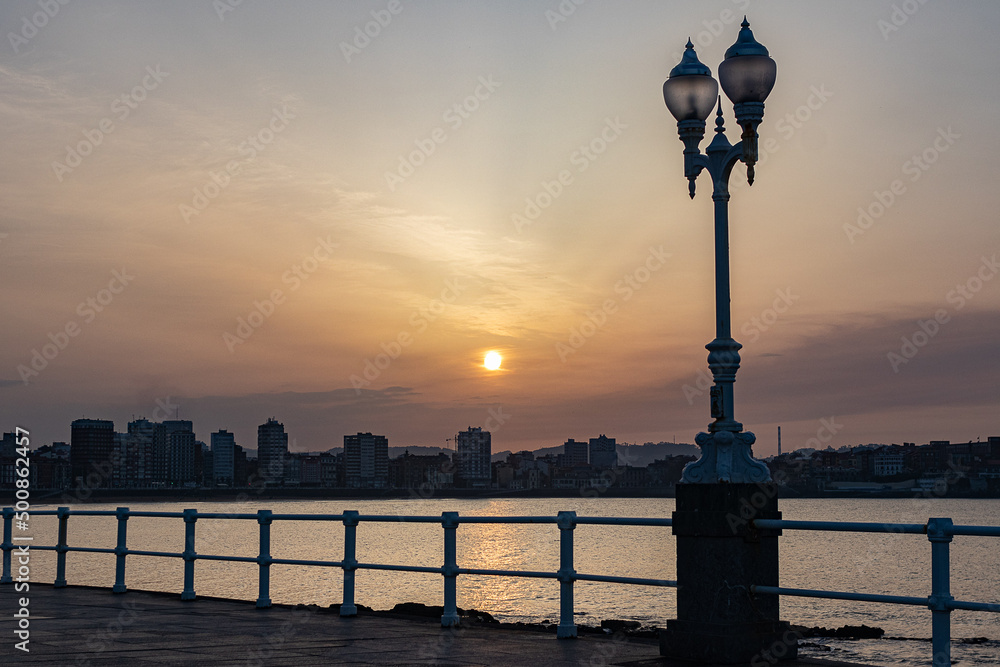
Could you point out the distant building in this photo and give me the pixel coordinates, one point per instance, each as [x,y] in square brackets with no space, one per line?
[575,453]
[603,452]
[887,462]
[329,469]
[366,461]
[223,458]
[272,450]
[473,451]
[241,472]
[92,444]
[421,473]
[8,460]
[181,451]
[155,468]
[52,465]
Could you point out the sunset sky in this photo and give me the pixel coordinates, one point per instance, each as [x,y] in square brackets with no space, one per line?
[236,208]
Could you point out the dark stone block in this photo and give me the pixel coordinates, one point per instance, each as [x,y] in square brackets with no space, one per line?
[719,557]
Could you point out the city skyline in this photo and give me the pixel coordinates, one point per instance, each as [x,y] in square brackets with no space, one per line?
[331,214]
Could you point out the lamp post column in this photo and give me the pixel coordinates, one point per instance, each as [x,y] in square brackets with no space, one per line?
[720,555]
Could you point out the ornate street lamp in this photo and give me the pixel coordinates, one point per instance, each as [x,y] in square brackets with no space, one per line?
[721,554]
[747,75]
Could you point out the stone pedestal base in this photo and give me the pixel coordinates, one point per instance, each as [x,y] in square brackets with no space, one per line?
[719,556]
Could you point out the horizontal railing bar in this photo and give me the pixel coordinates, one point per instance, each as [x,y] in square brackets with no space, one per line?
[235,559]
[398,568]
[843,526]
[296,561]
[974,606]
[94,550]
[839,595]
[504,519]
[507,573]
[639,581]
[623,521]
[310,517]
[390,518]
[158,554]
[981,531]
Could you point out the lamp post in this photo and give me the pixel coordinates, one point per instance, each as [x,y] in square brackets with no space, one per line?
[747,75]
[720,554]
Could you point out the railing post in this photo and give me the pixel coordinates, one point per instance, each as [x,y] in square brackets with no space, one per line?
[567,622]
[121,550]
[449,617]
[348,608]
[264,560]
[8,543]
[61,548]
[190,517]
[939,534]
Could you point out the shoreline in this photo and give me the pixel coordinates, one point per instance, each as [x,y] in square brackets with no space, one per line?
[241,495]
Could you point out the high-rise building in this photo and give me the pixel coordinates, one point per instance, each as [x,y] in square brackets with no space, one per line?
[223,457]
[181,446]
[574,453]
[366,461]
[272,450]
[473,450]
[603,452]
[140,455]
[92,443]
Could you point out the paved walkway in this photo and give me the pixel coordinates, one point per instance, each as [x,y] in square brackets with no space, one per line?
[91,627]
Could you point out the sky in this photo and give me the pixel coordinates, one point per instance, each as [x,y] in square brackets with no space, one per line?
[329,212]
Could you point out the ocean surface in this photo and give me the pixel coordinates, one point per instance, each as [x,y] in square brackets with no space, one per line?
[876,563]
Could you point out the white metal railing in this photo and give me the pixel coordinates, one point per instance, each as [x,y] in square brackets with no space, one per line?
[939,531]
[941,603]
[566,575]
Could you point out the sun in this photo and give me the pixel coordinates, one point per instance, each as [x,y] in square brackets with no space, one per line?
[492,360]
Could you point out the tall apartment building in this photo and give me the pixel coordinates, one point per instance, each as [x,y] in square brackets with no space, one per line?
[574,453]
[366,461]
[603,452]
[473,449]
[272,450]
[223,457]
[155,469]
[181,446]
[92,443]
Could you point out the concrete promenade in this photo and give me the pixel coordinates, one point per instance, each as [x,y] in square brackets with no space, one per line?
[92,627]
